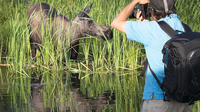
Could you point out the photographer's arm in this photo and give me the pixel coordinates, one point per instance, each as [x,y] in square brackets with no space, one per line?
[119,22]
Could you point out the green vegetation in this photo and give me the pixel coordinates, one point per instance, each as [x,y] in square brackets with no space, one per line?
[100,58]
[95,55]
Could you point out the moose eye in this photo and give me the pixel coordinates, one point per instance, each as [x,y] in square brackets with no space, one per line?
[90,22]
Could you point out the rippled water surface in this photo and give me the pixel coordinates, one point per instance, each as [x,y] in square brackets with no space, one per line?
[69,92]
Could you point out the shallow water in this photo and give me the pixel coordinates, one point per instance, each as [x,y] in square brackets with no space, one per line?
[70,92]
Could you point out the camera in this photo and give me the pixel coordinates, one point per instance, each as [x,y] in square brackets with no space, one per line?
[143,8]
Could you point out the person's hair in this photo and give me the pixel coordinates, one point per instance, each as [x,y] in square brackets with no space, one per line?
[160,14]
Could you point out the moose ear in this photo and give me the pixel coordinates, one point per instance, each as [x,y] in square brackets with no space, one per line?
[84,11]
[88,8]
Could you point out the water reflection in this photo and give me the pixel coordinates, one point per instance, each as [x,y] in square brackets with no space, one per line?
[71,92]
[78,101]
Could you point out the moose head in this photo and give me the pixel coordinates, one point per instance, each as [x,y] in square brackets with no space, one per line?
[89,27]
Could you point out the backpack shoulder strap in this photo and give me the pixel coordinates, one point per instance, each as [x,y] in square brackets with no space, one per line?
[154,75]
[168,29]
[186,27]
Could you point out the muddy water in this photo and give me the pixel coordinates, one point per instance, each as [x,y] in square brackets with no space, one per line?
[70,92]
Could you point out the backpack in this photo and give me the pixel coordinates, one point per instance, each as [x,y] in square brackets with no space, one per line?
[181,58]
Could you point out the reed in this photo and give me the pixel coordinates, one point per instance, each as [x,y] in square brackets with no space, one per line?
[117,56]
[114,55]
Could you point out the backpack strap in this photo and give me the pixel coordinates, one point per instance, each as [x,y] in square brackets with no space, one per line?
[154,75]
[170,31]
[186,27]
[160,85]
[167,29]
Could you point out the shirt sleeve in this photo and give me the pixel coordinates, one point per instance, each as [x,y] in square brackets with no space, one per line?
[140,31]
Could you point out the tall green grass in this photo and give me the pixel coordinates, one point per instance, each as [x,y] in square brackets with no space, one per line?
[96,54]
[113,55]
[117,56]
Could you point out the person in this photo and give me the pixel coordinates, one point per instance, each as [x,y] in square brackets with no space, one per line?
[149,33]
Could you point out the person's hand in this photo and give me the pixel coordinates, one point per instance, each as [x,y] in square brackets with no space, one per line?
[142,1]
[139,16]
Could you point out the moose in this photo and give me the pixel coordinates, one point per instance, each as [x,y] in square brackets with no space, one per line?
[68,31]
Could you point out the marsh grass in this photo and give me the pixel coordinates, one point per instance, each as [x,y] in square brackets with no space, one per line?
[113,55]
[117,56]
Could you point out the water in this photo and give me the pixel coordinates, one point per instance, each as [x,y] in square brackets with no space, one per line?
[70,92]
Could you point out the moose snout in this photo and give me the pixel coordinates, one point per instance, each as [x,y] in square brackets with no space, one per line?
[108,34]
[104,32]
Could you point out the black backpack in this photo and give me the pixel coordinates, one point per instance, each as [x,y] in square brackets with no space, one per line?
[181,57]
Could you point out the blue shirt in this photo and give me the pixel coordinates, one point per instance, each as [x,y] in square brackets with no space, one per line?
[153,38]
